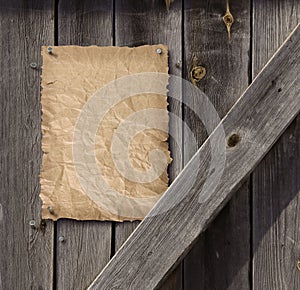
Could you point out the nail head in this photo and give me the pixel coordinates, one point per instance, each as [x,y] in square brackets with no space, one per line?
[33,65]
[49,49]
[50,209]
[158,50]
[178,64]
[61,239]
[32,224]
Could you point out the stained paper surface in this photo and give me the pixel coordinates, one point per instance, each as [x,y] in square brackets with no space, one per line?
[105,131]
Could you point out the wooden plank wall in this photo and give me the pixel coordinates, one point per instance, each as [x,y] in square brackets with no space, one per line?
[226,63]
[26,254]
[146,22]
[276,182]
[261,221]
[259,118]
[87,245]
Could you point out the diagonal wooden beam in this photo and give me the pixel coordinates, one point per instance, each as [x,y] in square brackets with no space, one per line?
[252,126]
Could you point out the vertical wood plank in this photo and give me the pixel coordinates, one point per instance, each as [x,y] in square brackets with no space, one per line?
[122,232]
[86,246]
[220,259]
[149,22]
[26,258]
[276,183]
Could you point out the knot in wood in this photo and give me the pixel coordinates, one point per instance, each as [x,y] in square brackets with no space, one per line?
[233,140]
[198,73]
[228,19]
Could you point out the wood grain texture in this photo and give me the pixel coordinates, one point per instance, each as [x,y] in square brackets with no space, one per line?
[87,245]
[149,22]
[276,183]
[85,22]
[82,248]
[122,232]
[220,252]
[259,117]
[26,254]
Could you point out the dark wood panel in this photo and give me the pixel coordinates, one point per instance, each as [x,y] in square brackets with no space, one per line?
[84,23]
[220,251]
[26,252]
[251,128]
[149,22]
[276,183]
[86,246]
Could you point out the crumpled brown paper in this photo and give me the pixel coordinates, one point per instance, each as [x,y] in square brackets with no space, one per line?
[101,130]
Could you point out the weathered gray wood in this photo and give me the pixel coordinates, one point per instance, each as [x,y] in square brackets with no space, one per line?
[122,232]
[82,248]
[87,245]
[220,252]
[25,253]
[276,183]
[85,22]
[259,117]
[149,22]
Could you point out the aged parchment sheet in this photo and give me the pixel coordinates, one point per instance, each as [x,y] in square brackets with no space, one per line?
[105,131]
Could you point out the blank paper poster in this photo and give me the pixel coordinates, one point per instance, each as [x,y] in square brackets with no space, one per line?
[104,131]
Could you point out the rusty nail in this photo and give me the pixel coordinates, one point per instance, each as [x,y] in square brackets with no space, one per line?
[233,140]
